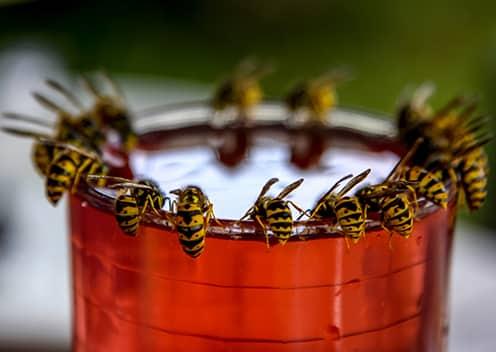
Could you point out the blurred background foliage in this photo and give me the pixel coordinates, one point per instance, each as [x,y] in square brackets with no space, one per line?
[387,44]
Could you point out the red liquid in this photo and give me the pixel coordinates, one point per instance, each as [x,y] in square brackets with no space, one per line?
[145,294]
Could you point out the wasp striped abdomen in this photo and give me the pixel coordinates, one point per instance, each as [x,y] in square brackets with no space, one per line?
[190,224]
[473,179]
[398,214]
[60,175]
[351,217]
[127,214]
[65,171]
[279,219]
[42,156]
[194,211]
[427,185]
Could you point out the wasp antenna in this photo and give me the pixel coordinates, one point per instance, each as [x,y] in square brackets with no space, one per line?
[267,186]
[476,128]
[405,159]
[92,178]
[290,188]
[31,119]
[90,87]
[49,104]
[453,104]
[66,93]
[336,185]
[354,181]
[469,109]
[335,76]
[480,120]
[129,185]
[25,133]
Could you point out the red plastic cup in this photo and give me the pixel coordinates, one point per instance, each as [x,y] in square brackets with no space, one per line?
[313,294]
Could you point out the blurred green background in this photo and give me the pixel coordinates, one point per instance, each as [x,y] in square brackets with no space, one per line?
[387,44]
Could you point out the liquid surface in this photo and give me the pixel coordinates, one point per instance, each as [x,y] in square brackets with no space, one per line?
[234,189]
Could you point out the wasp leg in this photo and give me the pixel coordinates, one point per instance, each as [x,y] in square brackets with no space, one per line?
[302,212]
[214,218]
[347,241]
[315,211]
[79,173]
[307,212]
[365,217]
[260,222]
[246,215]
[170,218]
[145,206]
[149,200]
[390,243]
[169,203]
[414,195]
[174,206]
[208,216]
[453,180]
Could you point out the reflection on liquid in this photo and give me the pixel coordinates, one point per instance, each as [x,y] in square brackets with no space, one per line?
[233,189]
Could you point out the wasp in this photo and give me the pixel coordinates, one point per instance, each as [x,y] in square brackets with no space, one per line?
[132,200]
[242,89]
[453,143]
[473,171]
[316,97]
[67,167]
[453,149]
[78,130]
[192,217]
[110,110]
[41,153]
[274,211]
[349,212]
[466,169]
[394,200]
[81,126]
[397,214]
[396,196]
[414,113]
[426,184]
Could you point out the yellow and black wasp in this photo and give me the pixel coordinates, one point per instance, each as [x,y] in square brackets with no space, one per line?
[473,171]
[417,180]
[394,201]
[191,219]
[349,212]
[396,196]
[242,89]
[316,97]
[111,112]
[274,211]
[41,154]
[78,130]
[81,126]
[67,167]
[467,169]
[132,200]
[453,146]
